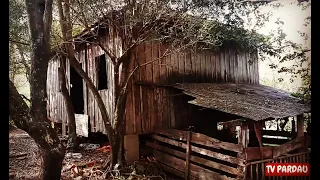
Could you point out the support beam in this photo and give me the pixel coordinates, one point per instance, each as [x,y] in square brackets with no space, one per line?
[293,128]
[233,123]
[243,141]
[283,124]
[258,126]
[188,150]
[300,129]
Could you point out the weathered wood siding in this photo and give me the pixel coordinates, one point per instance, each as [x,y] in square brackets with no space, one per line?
[86,55]
[54,105]
[151,107]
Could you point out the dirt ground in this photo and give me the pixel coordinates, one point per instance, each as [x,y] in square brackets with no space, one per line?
[25,161]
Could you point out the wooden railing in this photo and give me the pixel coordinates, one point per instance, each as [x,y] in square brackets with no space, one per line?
[256,170]
[197,156]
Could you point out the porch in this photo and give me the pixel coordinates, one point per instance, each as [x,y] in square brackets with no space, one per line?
[238,148]
[192,155]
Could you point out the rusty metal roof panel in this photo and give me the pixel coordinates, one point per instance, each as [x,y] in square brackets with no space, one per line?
[252,101]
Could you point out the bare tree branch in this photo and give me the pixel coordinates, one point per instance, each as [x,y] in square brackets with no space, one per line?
[19,42]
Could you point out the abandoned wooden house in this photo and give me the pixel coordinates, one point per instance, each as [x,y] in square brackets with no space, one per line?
[181,102]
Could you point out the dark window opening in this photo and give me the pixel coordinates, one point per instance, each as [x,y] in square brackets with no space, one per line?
[102,72]
[76,91]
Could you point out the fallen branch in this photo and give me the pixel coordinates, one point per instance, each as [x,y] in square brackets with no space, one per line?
[18,155]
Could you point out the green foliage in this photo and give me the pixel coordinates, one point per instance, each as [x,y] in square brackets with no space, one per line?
[18,39]
[11,124]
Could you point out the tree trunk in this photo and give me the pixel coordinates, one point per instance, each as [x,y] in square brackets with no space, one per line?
[52,150]
[52,163]
[72,135]
[36,122]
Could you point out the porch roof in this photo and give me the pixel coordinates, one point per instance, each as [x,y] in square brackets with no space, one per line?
[252,101]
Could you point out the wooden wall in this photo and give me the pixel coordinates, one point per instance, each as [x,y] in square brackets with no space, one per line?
[151,107]
[54,103]
[86,55]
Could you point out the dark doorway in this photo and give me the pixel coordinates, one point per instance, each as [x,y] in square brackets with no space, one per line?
[102,72]
[76,91]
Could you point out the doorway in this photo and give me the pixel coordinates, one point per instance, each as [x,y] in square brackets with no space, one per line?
[76,91]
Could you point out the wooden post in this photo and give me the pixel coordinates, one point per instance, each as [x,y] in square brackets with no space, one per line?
[293,128]
[258,128]
[243,140]
[188,154]
[131,148]
[300,129]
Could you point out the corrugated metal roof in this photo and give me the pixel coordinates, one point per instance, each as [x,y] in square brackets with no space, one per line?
[252,101]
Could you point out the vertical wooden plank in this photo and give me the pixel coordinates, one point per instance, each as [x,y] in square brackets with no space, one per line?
[94,74]
[253,69]
[188,68]
[103,97]
[244,67]
[228,66]
[48,84]
[293,128]
[247,57]
[217,66]
[156,64]
[243,140]
[169,67]
[97,112]
[207,66]
[129,129]
[168,81]
[90,97]
[222,67]
[162,108]
[236,68]
[175,69]
[155,120]
[257,68]
[84,67]
[144,103]
[131,112]
[110,99]
[136,94]
[149,91]
[201,65]
[231,72]
[181,59]
[195,65]
[211,67]
[188,150]
[300,129]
